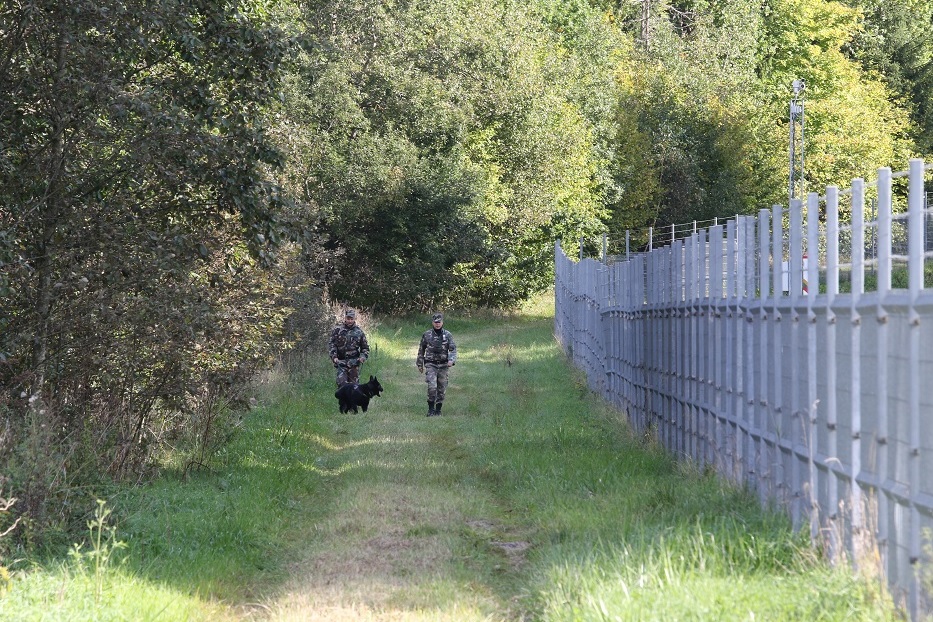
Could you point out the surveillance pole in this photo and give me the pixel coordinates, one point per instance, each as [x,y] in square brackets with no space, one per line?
[796,139]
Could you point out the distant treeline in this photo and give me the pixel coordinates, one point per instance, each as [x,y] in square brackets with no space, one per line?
[185,186]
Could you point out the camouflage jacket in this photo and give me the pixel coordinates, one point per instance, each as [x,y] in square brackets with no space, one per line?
[436,348]
[348,343]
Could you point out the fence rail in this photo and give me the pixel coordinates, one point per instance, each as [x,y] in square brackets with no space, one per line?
[743,354]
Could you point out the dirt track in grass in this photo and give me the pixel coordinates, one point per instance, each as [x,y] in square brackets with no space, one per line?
[417,529]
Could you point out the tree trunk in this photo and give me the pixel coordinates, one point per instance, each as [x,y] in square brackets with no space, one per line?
[51,214]
[645,21]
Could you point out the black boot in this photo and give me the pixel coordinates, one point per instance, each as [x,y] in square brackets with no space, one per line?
[437,408]
[430,408]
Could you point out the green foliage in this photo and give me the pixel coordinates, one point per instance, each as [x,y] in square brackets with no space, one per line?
[689,121]
[98,558]
[435,147]
[701,128]
[895,41]
[137,215]
[852,125]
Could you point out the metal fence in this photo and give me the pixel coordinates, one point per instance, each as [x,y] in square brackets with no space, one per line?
[744,354]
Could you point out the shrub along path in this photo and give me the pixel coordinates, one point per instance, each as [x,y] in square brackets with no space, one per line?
[527,500]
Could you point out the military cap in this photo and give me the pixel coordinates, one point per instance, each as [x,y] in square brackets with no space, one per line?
[350,313]
[438,317]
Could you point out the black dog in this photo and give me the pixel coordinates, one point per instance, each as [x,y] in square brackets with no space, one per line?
[352,395]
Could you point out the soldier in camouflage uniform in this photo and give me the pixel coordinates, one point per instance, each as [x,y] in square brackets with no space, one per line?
[436,354]
[348,349]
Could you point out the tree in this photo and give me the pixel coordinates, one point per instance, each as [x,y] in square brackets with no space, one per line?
[853,125]
[703,115]
[689,119]
[895,41]
[136,210]
[442,130]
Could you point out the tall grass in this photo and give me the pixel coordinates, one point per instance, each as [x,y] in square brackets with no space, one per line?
[529,499]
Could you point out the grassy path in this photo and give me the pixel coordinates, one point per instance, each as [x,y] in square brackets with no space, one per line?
[527,500]
[418,529]
[411,530]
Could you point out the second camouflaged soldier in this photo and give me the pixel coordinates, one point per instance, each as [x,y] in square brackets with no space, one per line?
[436,354]
[348,349]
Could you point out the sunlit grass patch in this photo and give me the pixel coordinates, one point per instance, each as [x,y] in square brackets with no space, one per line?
[63,595]
[673,582]
[433,599]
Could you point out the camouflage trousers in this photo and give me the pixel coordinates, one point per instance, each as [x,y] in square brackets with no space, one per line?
[347,375]
[436,377]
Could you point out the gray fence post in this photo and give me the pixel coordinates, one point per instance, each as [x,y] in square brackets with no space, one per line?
[882,250]
[915,251]
[809,416]
[857,255]
[832,415]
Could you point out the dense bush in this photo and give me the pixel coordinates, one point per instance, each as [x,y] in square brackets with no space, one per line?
[138,224]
